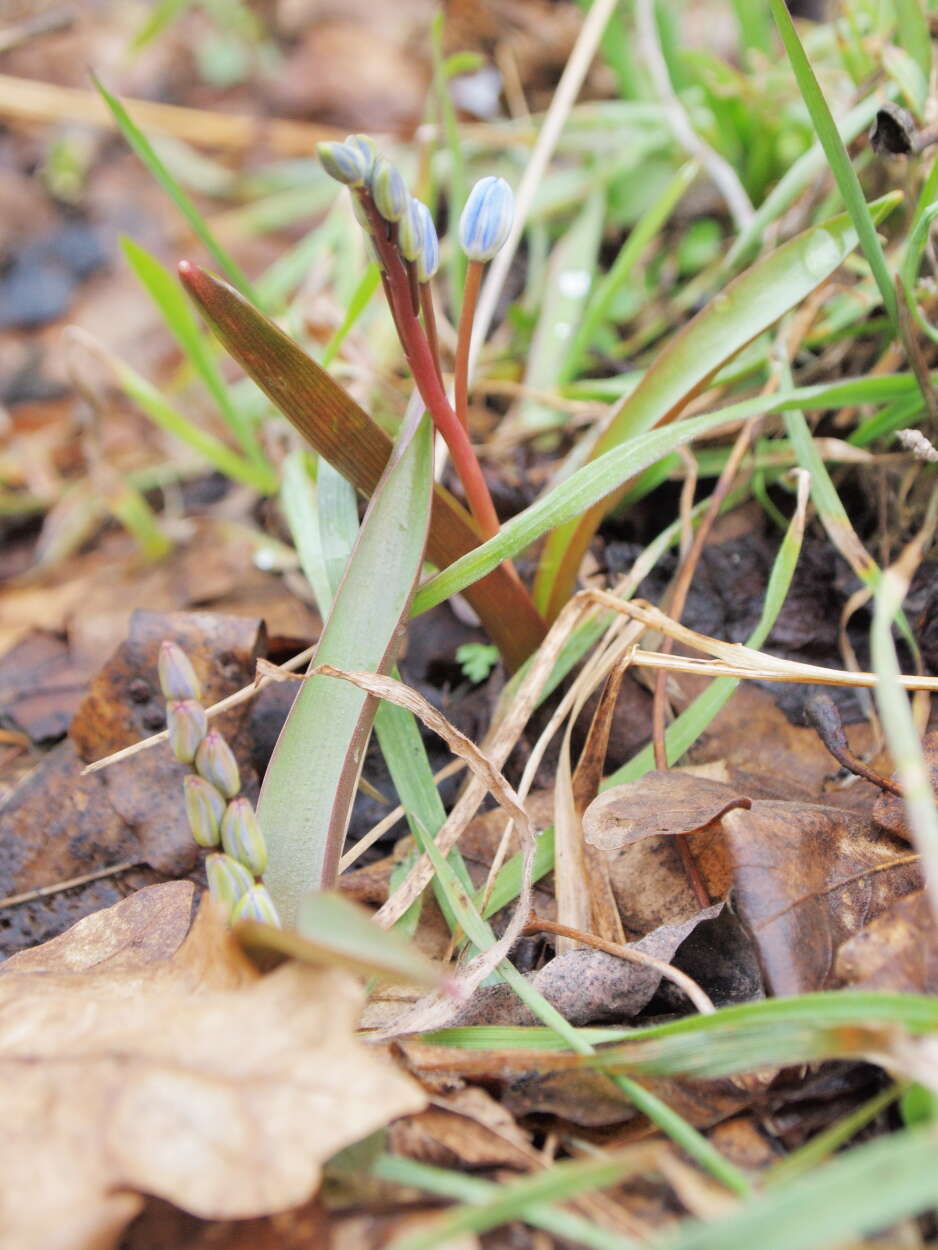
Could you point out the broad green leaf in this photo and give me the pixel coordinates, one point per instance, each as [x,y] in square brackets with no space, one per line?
[333,931]
[748,306]
[345,435]
[306,797]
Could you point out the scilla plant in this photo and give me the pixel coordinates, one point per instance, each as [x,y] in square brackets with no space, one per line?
[404,244]
[218,814]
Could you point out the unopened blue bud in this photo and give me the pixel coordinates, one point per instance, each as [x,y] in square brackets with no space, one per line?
[364,145]
[215,762]
[388,190]
[486,220]
[204,808]
[428,258]
[410,230]
[187,725]
[343,162]
[241,836]
[256,904]
[177,676]
[228,881]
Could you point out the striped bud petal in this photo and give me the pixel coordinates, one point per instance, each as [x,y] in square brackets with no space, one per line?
[343,162]
[241,835]
[177,676]
[428,258]
[204,808]
[486,220]
[365,146]
[256,905]
[215,762]
[388,190]
[410,230]
[187,725]
[228,881]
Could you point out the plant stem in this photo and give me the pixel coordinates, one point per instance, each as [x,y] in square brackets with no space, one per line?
[464,339]
[429,325]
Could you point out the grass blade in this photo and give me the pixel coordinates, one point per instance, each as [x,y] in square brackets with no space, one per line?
[144,149]
[837,156]
[749,305]
[176,311]
[345,435]
[308,789]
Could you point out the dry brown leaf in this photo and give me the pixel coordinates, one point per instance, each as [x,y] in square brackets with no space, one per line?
[897,952]
[469,1129]
[806,879]
[136,1057]
[889,810]
[663,802]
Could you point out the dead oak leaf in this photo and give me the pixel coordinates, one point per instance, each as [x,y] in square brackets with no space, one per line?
[897,952]
[135,1061]
[806,878]
[666,802]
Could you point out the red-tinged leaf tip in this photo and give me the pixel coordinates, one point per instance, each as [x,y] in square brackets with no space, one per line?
[186,270]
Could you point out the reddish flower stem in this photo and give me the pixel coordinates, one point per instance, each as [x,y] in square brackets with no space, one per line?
[423,366]
[464,340]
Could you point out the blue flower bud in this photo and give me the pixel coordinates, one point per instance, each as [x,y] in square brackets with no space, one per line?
[215,762]
[364,145]
[410,230]
[256,904]
[241,836]
[388,190]
[486,220]
[228,881]
[187,725]
[428,258]
[343,162]
[177,676]
[204,808]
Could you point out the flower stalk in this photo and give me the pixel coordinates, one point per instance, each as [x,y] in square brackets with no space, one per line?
[404,241]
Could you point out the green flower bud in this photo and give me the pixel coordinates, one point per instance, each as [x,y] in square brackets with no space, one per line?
[361,216]
[215,762]
[365,146]
[256,904]
[241,835]
[410,231]
[486,220]
[187,725]
[388,190]
[204,808]
[177,676]
[428,258]
[228,881]
[343,162]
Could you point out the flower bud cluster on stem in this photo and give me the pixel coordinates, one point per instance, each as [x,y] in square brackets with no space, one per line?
[218,814]
[404,242]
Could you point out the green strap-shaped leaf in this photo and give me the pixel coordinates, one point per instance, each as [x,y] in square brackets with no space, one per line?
[748,306]
[309,786]
[342,433]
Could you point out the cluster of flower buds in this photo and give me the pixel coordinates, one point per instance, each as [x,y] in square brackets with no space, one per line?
[403,241]
[218,814]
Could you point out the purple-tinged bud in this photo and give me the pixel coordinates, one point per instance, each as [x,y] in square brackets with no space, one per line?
[204,808]
[256,904]
[428,258]
[177,676]
[187,725]
[388,190]
[486,220]
[241,835]
[228,881]
[364,145]
[215,762]
[343,162]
